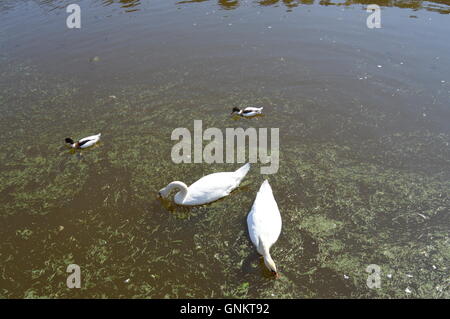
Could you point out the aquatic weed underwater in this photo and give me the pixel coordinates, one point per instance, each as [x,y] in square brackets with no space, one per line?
[345,203]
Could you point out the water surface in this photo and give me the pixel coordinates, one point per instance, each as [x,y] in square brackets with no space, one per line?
[364,147]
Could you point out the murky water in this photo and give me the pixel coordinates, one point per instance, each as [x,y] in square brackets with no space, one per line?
[364,147]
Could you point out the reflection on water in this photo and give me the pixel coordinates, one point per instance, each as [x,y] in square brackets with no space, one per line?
[128,5]
[224,4]
[438,6]
[441,6]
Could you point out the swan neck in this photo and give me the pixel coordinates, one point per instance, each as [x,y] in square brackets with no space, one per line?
[268,261]
[264,249]
[182,187]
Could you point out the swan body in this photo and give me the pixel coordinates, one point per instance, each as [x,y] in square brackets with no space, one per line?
[84,142]
[264,224]
[207,189]
[248,111]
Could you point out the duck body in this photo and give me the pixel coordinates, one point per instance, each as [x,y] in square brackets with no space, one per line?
[264,223]
[208,188]
[84,142]
[248,111]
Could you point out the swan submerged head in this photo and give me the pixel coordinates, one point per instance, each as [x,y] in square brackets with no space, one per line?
[164,192]
[270,264]
[263,249]
[180,186]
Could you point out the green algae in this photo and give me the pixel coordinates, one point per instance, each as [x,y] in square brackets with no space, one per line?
[345,204]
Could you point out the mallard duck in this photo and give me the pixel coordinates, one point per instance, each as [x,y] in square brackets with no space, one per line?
[264,224]
[84,142]
[247,112]
[207,189]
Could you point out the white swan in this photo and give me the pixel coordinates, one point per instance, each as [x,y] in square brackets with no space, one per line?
[84,142]
[264,224]
[207,189]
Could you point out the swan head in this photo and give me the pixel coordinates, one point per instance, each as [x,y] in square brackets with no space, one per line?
[270,264]
[164,192]
[180,186]
[263,249]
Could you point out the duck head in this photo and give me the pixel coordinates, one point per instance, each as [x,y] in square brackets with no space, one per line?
[71,142]
[236,110]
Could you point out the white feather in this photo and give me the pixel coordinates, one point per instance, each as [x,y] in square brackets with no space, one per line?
[208,188]
[264,219]
[92,140]
[249,111]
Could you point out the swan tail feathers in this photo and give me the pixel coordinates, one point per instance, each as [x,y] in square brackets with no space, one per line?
[265,185]
[264,189]
[241,172]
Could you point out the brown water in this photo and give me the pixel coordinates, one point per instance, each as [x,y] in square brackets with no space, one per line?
[364,147]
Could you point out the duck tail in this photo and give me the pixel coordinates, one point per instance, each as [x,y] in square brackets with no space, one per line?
[242,171]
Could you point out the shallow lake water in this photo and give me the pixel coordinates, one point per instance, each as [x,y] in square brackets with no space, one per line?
[363,117]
